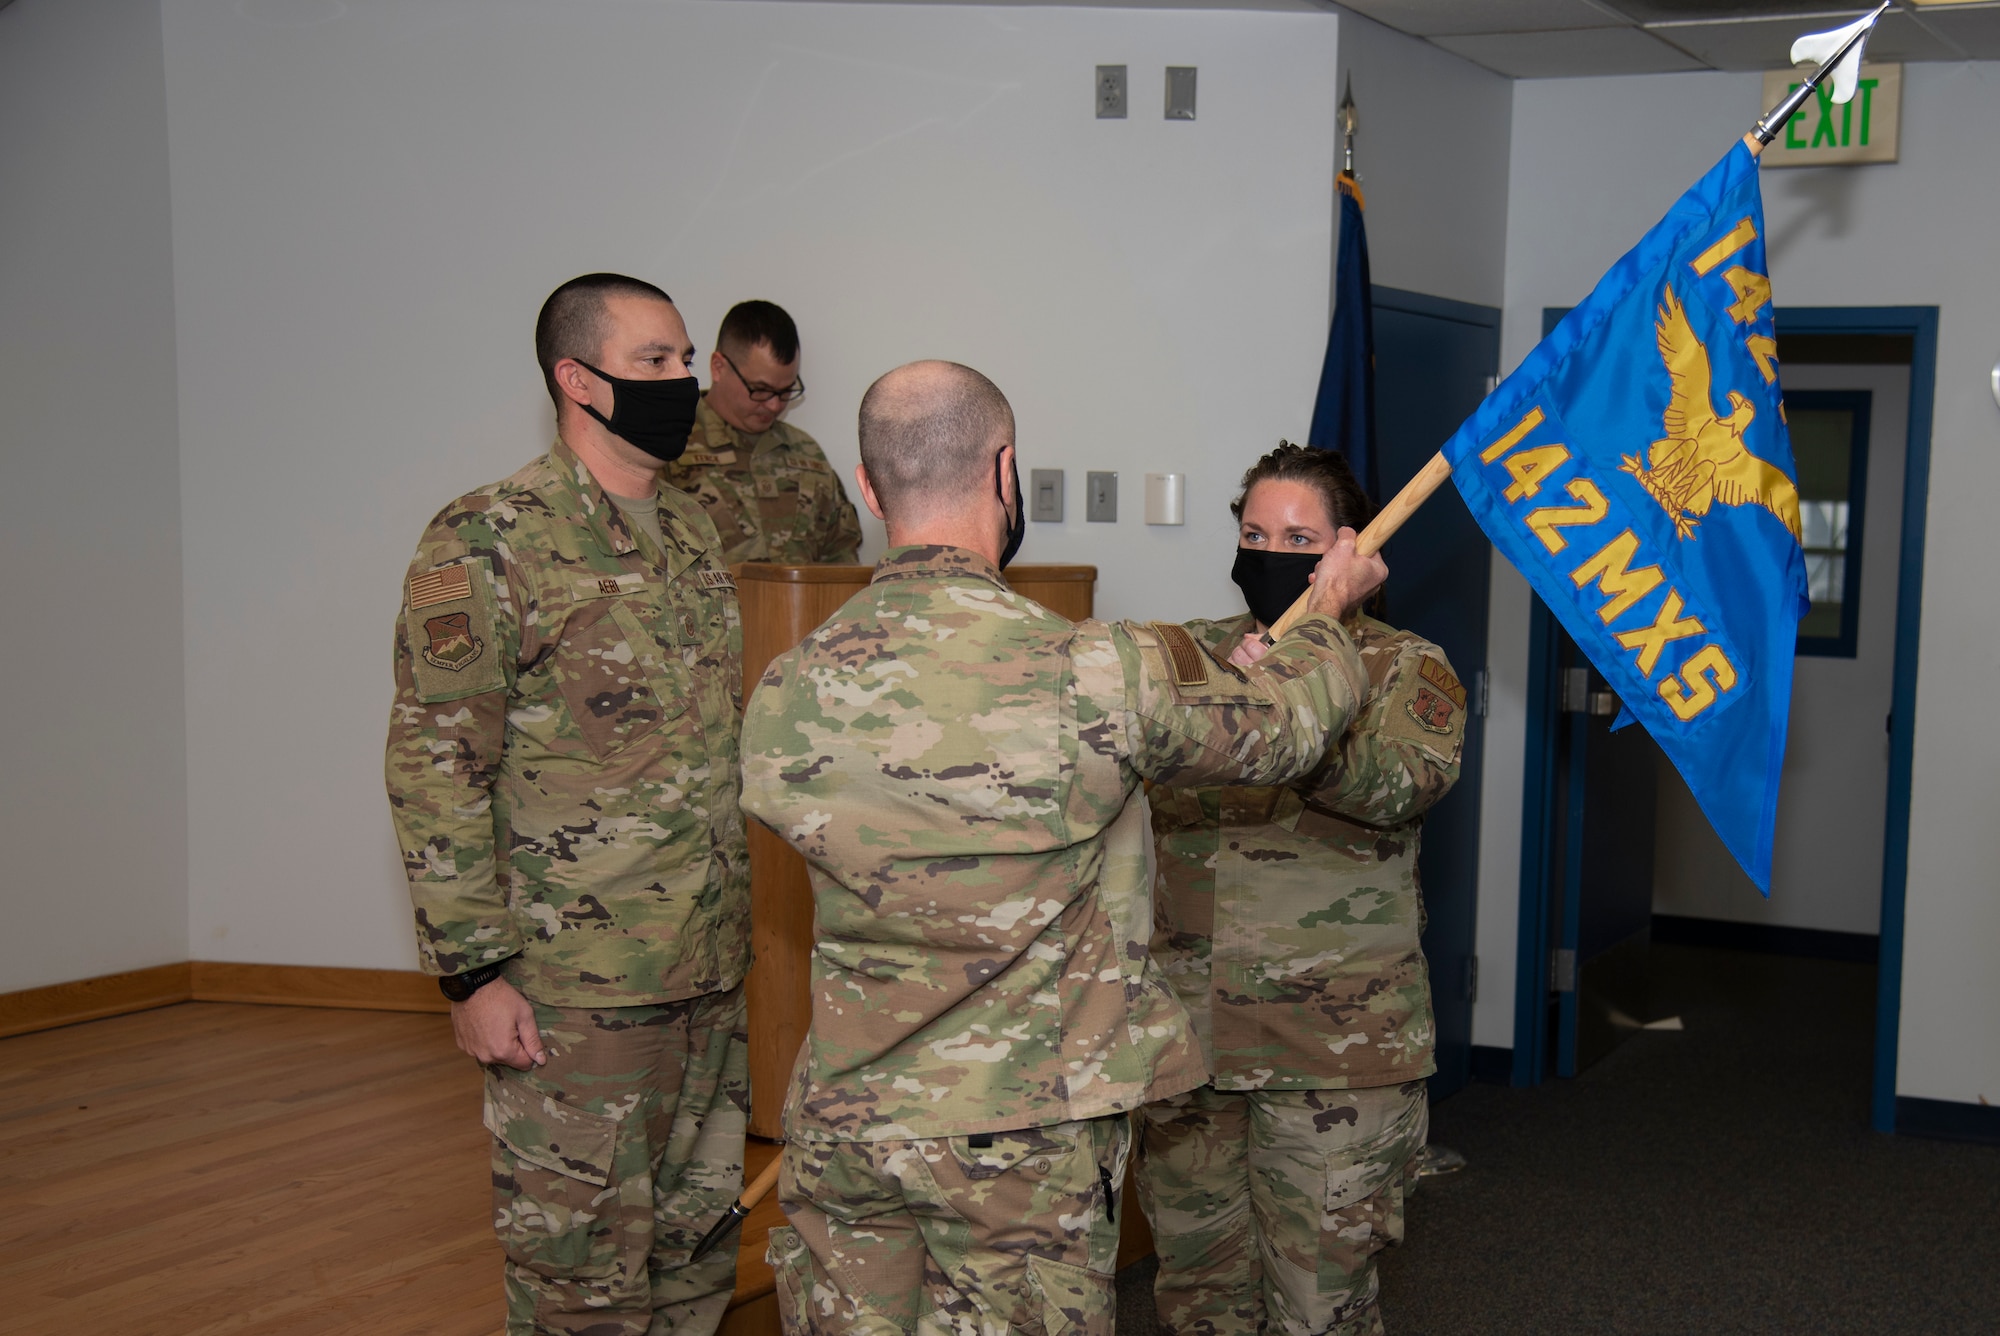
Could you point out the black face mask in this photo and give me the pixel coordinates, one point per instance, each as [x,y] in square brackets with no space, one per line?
[1272,581]
[1017,523]
[655,415]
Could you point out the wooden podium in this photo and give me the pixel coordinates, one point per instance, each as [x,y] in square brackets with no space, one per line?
[781,606]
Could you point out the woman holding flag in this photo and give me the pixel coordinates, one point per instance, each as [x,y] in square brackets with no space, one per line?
[1288,921]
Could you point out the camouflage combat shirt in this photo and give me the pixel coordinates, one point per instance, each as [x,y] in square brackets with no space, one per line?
[562,762]
[955,762]
[773,497]
[1287,918]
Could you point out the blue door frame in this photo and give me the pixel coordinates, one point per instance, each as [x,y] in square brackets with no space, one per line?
[1531,1037]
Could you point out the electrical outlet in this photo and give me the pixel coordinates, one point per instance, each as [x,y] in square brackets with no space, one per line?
[1110,92]
[1045,494]
[1100,492]
[1180,92]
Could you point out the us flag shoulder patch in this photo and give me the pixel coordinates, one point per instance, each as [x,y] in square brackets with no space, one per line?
[446,584]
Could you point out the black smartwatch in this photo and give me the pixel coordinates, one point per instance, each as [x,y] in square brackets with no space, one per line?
[458,987]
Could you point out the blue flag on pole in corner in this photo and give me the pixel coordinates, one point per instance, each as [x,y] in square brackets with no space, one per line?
[1344,413]
[1637,470]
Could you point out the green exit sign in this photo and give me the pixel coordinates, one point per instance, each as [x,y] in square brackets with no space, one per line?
[1825,133]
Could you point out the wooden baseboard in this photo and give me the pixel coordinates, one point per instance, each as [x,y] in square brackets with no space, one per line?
[33,1009]
[316,986]
[93,999]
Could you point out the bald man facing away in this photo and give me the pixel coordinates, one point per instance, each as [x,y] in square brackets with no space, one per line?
[956,763]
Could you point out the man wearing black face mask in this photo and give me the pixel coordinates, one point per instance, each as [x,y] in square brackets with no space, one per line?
[562,770]
[958,764]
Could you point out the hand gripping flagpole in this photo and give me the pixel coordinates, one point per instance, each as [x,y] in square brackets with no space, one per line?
[1842,45]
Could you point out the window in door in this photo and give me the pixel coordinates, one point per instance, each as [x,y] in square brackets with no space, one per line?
[1829,430]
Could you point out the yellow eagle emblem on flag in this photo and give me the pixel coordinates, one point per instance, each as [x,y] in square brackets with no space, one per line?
[1702,458]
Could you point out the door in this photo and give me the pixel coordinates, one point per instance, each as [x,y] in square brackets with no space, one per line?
[1848,429]
[1434,360]
[1603,912]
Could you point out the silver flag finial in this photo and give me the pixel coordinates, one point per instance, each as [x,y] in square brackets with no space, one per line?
[1839,55]
[1349,119]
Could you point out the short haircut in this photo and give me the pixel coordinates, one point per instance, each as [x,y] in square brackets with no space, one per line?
[1325,471]
[575,322]
[753,322]
[929,433]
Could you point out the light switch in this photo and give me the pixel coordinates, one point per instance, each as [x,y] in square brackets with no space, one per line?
[1045,494]
[1163,498]
[1100,498]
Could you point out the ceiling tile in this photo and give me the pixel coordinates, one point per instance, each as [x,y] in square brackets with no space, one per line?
[1566,55]
[1670,11]
[1975,31]
[1766,44]
[1443,18]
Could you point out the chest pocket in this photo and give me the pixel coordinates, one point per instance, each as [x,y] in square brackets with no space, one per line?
[619,683]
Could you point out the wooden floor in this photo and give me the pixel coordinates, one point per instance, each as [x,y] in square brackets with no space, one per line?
[214,1168]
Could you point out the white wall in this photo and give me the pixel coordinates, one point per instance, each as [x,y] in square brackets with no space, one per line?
[372,198]
[1595,162]
[1431,156]
[93,814]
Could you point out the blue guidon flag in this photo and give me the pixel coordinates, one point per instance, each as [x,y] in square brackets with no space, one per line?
[1636,468]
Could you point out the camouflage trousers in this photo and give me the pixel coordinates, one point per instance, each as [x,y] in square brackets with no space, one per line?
[611,1161]
[958,1236]
[1268,1207]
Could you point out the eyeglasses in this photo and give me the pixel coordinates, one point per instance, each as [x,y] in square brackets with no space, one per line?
[764,394]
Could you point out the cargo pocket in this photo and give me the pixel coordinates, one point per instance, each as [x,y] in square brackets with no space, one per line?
[553,1204]
[1073,1298]
[797,1282]
[1364,1213]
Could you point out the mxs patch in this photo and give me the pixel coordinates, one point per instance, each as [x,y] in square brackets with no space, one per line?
[1440,677]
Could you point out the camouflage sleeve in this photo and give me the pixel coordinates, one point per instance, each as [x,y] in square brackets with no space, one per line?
[1402,753]
[836,525]
[842,541]
[1192,718]
[457,644]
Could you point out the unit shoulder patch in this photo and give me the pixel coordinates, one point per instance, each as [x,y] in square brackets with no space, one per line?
[1433,712]
[448,621]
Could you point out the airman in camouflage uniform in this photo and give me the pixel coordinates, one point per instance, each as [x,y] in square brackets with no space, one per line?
[765,483]
[1287,920]
[957,765]
[562,770]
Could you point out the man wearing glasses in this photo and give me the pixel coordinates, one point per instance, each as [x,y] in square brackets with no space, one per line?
[764,482]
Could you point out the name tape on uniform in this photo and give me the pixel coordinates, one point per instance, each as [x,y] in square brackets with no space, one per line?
[610,586]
